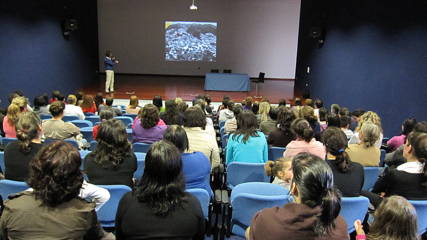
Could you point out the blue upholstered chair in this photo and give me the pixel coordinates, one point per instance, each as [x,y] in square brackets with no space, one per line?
[107,213]
[70,118]
[203,196]
[70,141]
[353,208]
[275,152]
[141,147]
[371,176]
[140,160]
[133,116]
[126,120]
[93,145]
[421,208]
[240,172]
[2,166]
[9,187]
[93,118]
[6,140]
[45,116]
[87,133]
[83,154]
[221,124]
[82,123]
[249,198]
[382,157]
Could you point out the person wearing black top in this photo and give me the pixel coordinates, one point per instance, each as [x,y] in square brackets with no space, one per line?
[283,134]
[172,116]
[408,180]
[17,155]
[348,176]
[112,162]
[159,208]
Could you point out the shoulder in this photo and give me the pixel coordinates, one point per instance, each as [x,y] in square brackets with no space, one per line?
[12,147]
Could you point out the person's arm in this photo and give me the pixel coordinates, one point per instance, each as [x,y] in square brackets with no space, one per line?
[72,129]
[216,161]
[81,114]
[359,230]
[93,192]
[229,152]
[381,185]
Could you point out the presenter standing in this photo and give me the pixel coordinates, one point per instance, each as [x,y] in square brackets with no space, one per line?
[109,62]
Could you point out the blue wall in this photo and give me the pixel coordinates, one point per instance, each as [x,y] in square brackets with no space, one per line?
[35,57]
[374,57]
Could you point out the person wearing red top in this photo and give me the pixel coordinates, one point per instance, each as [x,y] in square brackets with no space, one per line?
[104,115]
[88,104]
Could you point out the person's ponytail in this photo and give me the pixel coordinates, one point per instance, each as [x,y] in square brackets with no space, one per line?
[24,140]
[342,160]
[268,167]
[331,207]
[27,128]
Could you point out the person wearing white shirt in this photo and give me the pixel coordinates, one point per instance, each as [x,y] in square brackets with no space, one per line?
[71,109]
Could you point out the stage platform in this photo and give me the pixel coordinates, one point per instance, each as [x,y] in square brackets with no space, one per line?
[170,87]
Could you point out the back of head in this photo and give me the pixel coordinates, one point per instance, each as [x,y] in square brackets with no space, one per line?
[369,117]
[249,101]
[109,101]
[40,101]
[345,121]
[225,99]
[194,117]
[149,116]
[255,107]
[336,143]
[162,185]
[282,102]
[57,108]
[302,129]
[408,125]
[318,103]
[27,128]
[333,120]
[113,145]
[72,99]
[87,101]
[298,102]
[247,125]
[314,181]
[229,105]
[308,114]
[323,114]
[285,118]
[264,109]
[369,134]
[344,111]
[13,112]
[358,113]
[418,142]
[200,103]
[420,127]
[21,102]
[273,113]
[237,109]
[55,173]
[171,106]
[309,102]
[158,102]
[56,94]
[395,219]
[335,109]
[177,136]
[108,53]
[106,115]
[272,168]
[133,101]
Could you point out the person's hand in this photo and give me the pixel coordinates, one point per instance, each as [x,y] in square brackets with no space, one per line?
[382,194]
[359,228]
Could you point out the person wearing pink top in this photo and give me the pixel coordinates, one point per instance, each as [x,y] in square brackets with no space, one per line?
[397,141]
[305,141]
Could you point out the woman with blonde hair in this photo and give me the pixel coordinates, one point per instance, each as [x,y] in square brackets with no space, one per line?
[133,107]
[264,110]
[18,105]
[365,152]
[368,117]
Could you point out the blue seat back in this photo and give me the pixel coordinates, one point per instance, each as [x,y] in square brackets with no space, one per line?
[83,154]
[140,160]
[371,176]
[224,140]
[129,132]
[353,208]
[421,208]
[87,133]
[82,123]
[126,120]
[141,147]
[6,140]
[222,131]
[89,114]
[45,116]
[70,118]
[275,152]
[94,119]
[240,172]
[249,198]
[2,166]
[9,187]
[203,196]
[70,141]
[93,145]
[133,116]
[107,213]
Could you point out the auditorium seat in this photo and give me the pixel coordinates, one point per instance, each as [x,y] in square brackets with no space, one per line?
[82,123]
[421,208]
[353,208]
[371,176]
[69,118]
[45,116]
[203,196]
[241,172]
[140,160]
[126,120]
[94,119]
[107,213]
[9,187]
[141,147]
[3,168]
[6,140]
[87,133]
[133,116]
[275,152]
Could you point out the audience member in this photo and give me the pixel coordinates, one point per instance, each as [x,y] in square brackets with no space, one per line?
[182,106]
[104,115]
[368,117]
[247,144]
[99,100]
[109,106]
[281,171]
[172,116]
[335,109]
[348,176]
[304,141]
[52,210]
[345,122]
[282,102]
[323,114]
[209,123]
[17,154]
[158,102]
[355,117]
[225,99]
[309,102]
[146,128]
[315,213]
[227,112]
[199,139]
[264,110]
[195,165]
[160,201]
[79,95]
[231,124]
[398,141]
[270,124]
[318,104]
[41,106]
[248,103]
[283,135]
[88,105]
[71,109]
[307,113]
[113,161]
[365,152]
[55,128]
[333,120]
[407,180]
[255,108]
[55,95]
[395,218]
[14,110]
[133,107]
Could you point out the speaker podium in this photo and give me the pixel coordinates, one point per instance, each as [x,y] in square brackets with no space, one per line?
[257,81]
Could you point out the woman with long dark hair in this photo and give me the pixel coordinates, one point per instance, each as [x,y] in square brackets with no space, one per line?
[112,162]
[52,210]
[146,128]
[349,176]
[313,215]
[160,201]
[283,134]
[18,154]
[247,144]
[172,116]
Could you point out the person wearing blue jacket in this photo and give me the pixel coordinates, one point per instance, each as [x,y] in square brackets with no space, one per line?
[247,144]
[109,62]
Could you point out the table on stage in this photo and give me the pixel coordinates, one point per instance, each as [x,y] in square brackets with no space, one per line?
[236,82]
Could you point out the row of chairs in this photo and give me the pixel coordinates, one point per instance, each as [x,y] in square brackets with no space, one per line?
[92,120]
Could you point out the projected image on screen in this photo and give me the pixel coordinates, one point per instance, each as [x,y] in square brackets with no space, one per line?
[190,41]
